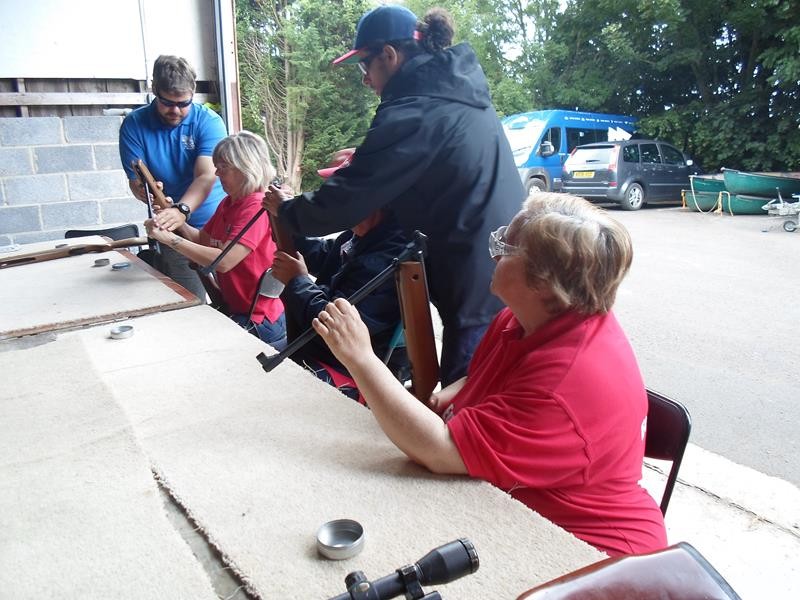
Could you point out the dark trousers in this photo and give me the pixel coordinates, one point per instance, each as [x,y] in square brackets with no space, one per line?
[458,345]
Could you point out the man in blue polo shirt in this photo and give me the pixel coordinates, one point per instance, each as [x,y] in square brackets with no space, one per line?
[175,138]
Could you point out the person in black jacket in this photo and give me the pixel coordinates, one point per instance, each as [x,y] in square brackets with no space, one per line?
[435,157]
[341,266]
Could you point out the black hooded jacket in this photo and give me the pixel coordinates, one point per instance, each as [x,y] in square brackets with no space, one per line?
[436,156]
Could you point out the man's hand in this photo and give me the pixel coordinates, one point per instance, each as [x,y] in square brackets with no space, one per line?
[347,336]
[286,267]
[137,189]
[274,197]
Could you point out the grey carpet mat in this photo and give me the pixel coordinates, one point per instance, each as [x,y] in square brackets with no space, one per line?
[80,514]
[84,293]
[261,460]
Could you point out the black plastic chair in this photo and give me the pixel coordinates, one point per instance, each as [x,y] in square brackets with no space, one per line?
[122,232]
[668,429]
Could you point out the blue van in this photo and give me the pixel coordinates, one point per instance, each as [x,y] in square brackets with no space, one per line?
[542,140]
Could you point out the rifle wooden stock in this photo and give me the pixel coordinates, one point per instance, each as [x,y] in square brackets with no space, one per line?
[415,310]
[281,235]
[43,255]
[144,175]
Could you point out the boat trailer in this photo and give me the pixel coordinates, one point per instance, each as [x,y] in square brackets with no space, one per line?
[780,208]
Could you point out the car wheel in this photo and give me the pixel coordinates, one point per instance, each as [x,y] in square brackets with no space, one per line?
[535,185]
[789,226]
[634,197]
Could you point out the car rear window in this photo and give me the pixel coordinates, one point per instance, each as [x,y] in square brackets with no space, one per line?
[598,154]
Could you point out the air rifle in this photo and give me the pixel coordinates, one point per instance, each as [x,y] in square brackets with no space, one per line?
[409,272]
[43,255]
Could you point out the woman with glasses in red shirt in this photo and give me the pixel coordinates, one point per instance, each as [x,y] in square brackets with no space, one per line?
[553,408]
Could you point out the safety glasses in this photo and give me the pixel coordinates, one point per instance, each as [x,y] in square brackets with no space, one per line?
[498,245]
[363,64]
[171,104]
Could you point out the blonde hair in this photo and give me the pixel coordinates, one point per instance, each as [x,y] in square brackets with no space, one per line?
[247,153]
[574,250]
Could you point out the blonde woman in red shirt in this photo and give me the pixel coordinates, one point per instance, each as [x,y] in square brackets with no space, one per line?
[244,169]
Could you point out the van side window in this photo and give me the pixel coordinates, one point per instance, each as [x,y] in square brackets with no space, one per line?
[650,154]
[577,137]
[671,155]
[553,136]
[630,154]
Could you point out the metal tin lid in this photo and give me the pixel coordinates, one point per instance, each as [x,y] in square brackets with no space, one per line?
[120,332]
[120,266]
[102,262]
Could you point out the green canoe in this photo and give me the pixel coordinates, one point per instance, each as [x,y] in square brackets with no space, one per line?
[740,204]
[707,183]
[764,185]
[701,201]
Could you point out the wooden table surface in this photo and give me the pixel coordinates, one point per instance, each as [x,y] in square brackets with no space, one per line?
[72,292]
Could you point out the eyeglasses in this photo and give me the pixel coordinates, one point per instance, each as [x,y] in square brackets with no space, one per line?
[498,245]
[364,63]
[171,103]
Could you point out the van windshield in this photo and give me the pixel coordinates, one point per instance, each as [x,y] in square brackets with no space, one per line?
[522,137]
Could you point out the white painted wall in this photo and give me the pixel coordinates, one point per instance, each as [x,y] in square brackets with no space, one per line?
[104,39]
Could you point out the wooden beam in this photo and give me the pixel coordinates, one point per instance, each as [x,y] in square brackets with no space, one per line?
[23,110]
[79,99]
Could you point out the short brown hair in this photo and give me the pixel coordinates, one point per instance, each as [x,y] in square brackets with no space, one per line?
[173,75]
[573,249]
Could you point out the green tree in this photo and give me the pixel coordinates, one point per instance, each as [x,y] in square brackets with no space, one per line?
[291,95]
[720,79]
[508,37]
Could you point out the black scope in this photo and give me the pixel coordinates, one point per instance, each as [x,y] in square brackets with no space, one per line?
[441,565]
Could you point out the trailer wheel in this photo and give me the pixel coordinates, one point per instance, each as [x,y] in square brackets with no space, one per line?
[789,226]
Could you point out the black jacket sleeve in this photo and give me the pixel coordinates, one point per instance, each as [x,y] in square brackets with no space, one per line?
[395,153]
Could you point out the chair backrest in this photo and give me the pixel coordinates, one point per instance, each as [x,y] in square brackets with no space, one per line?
[679,572]
[121,232]
[668,429]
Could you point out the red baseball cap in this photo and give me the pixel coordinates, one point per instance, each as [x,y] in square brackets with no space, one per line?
[341,160]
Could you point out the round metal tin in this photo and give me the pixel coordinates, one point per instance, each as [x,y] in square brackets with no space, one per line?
[120,266]
[120,332]
[340,539]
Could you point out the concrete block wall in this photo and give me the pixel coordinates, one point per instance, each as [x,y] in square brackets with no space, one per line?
[60,173]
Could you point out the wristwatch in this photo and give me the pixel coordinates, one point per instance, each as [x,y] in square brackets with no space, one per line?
[184,208]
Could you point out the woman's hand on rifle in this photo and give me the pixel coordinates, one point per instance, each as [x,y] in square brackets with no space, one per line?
[439,401]
[347,336]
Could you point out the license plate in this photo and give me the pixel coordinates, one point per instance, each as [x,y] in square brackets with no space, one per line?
[583,174]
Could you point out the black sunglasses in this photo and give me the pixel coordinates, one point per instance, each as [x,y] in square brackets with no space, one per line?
[171,103]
